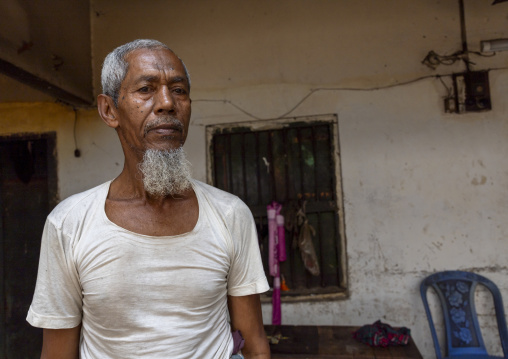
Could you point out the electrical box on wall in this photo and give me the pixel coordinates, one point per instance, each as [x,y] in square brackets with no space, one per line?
[472,92]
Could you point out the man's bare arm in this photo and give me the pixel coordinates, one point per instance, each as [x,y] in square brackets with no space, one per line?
[61,343]
[245,313]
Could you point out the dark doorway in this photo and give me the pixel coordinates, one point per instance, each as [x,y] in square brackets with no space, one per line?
[28,188]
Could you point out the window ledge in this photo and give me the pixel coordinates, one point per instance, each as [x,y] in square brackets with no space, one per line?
[342,294]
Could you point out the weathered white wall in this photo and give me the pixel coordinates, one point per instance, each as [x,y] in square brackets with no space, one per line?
[424,190]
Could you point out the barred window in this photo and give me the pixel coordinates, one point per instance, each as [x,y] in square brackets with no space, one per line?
[295,162]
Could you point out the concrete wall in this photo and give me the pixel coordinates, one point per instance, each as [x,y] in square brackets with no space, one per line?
[424,190]
[101,156]
[50,40]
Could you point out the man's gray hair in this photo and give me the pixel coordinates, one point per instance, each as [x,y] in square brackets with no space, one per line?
[114,68]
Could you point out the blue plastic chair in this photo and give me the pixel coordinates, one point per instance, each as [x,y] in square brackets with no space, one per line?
[463,334]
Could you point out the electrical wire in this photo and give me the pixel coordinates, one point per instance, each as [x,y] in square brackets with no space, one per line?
[314,90]
[433,60]
[77,152]
[449,90]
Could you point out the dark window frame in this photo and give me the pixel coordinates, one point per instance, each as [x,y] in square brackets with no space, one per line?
[336,203]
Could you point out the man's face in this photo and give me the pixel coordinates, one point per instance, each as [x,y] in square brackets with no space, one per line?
[154,106]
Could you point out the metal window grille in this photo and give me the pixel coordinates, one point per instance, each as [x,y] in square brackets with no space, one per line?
[293,162]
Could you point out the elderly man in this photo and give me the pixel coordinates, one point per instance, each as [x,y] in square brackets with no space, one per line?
[149,265]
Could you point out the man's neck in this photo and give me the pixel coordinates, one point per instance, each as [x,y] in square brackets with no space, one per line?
[129,206]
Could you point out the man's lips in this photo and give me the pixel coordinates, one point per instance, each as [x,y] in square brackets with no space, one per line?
[164,126]
[166,130]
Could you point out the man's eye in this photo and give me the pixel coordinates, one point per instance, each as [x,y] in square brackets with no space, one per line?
[144,89]
[180,91]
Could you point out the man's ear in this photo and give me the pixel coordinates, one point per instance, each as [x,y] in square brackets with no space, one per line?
[107,110]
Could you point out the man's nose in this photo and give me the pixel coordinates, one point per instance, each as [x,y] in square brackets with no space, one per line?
[164,102]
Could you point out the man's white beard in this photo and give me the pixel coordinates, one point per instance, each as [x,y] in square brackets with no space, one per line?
[165,172]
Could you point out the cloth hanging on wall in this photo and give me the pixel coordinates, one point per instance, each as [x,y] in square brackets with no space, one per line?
[304,240]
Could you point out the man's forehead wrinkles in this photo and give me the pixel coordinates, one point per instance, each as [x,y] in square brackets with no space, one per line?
[164,67]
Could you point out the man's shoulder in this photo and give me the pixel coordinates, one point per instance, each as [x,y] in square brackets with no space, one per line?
[222,200]
[214,191]
[77,203]
[228,206]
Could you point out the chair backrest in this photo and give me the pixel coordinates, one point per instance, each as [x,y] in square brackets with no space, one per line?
[455,290]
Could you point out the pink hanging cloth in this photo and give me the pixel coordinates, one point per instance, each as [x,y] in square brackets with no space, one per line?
[276,254]
[281,237]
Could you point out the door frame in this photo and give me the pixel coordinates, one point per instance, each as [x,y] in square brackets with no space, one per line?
[51,161]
